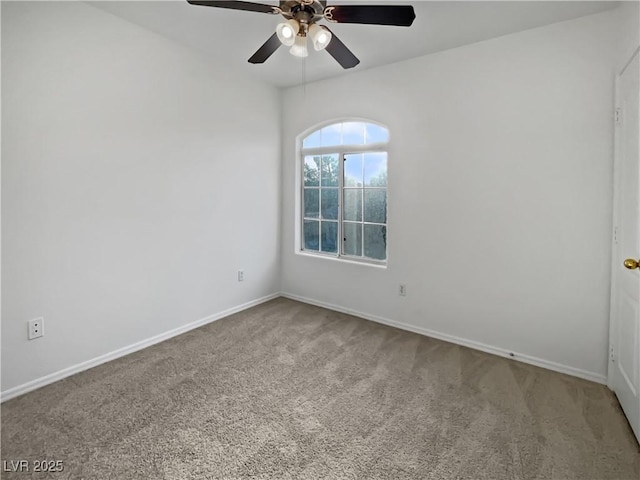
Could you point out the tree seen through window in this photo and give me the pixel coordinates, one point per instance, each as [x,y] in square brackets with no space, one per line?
[344,193]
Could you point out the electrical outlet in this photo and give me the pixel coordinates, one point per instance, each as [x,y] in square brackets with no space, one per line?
[36,328]
[241,275]
[402,291]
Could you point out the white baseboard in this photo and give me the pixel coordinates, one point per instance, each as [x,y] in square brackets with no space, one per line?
[121,352]
[538,362]
[94,362]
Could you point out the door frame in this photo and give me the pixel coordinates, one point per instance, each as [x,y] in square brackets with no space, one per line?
[615,249]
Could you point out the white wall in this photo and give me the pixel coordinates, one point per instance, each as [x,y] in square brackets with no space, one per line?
[627,21]
[137,179]
[499,194]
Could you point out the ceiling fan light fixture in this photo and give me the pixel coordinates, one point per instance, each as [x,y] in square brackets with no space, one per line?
[299,48]
[320,37]
[287,32]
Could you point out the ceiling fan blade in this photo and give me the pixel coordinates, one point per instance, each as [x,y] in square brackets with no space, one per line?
[266,50]
[248,6]
[341,53]
[398,15]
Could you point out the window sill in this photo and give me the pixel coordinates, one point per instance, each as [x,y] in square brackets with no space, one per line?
[346,260]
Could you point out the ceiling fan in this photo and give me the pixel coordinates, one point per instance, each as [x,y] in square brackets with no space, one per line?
[301,22]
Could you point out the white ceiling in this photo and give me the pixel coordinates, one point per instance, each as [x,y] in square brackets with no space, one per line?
[230,37]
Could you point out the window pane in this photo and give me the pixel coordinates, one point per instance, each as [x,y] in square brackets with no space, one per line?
[331,135]
[375,241]
[330,170]
[375,169]
[330,203]
[344,198]
[311,171]
[352,238]
[312,140]
[311,235]
[376,134]
[353,170]
[353,204]
[353,133]
[330,237]
[375,205]
[311,202]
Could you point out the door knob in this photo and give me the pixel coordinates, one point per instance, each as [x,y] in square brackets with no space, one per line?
[630,263]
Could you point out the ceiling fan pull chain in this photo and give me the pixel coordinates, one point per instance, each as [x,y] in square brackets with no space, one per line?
[304,79]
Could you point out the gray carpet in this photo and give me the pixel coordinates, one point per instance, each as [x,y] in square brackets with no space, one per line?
[287,390]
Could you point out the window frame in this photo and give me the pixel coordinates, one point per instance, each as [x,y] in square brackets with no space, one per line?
[340,150]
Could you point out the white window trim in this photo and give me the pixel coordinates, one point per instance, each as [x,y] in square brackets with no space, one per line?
[340,150]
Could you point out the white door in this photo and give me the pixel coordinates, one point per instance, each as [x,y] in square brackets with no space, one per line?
[624,360]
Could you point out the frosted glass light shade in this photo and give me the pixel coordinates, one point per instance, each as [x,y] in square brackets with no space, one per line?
[299,48]
[287,32]
[320,37]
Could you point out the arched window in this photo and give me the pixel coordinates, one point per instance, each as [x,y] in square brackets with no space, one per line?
[344,191]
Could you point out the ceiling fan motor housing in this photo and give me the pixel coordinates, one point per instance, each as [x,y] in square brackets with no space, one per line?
[305,12]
